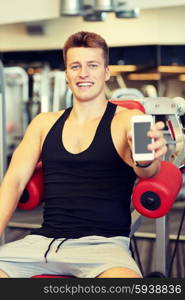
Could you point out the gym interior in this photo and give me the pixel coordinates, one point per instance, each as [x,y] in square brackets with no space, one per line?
[147,65]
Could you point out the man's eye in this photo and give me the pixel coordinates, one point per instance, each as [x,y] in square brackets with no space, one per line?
[75,67]
[93,66]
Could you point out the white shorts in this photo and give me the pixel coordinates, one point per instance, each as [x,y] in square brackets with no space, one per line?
[84,257]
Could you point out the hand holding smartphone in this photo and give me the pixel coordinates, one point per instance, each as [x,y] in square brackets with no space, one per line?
[140,126]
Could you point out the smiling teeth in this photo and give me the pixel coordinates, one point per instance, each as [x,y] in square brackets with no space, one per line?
[84,84]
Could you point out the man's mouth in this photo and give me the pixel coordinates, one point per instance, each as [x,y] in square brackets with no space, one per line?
[85,84]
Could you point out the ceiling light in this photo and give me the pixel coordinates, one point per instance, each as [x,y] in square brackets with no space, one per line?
[71,8]
[103,5]
[125,9]
[128,14]
[95,16]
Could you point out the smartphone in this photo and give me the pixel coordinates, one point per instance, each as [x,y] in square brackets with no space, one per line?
[140,126]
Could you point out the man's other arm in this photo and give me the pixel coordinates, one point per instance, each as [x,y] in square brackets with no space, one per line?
[21,167]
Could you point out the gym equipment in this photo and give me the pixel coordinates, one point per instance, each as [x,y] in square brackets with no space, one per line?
[129,104]
[17,95]
[3,163]
[3,148]
[149,90]
[44,89]
[170,112]
[154,197]
[126,93]
[49,88]
[59,90]
[33,193]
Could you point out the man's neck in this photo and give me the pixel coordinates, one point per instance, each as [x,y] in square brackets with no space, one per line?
[87,111]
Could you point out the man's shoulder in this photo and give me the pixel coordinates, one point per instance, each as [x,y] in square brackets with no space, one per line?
[44,120]
[123,112]
[47,117]
[122,117]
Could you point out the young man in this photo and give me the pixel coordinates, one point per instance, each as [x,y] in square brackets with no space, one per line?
[88,177]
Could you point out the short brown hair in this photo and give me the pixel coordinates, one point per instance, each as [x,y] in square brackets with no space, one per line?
[88,40]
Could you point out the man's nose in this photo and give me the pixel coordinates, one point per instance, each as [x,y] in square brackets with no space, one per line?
[84,71]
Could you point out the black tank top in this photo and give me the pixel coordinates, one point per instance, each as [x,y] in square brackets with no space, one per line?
[87,193]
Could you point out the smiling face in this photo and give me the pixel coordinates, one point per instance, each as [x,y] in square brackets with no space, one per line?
[86,73]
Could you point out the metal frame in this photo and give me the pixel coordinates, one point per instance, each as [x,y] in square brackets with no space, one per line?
[18,71]
[162,242]
[3,156]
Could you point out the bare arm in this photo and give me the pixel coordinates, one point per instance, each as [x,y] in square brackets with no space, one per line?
[21,167]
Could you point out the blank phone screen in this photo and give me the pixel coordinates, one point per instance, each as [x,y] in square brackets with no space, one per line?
[141,140]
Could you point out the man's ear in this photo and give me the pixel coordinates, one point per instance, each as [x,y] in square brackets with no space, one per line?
[107,73]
